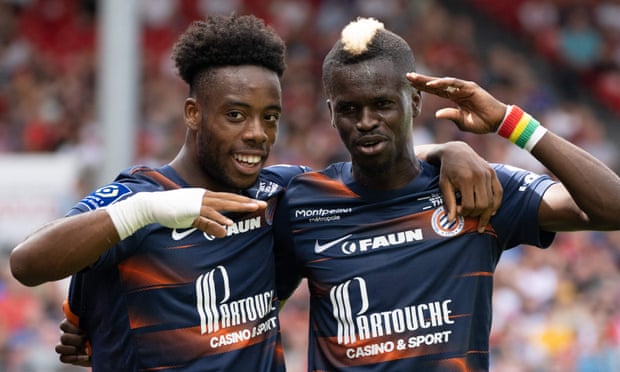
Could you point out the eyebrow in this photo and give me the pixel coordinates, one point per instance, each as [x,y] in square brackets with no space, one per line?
[246,105]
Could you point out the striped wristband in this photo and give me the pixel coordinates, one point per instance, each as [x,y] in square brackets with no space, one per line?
[521,128]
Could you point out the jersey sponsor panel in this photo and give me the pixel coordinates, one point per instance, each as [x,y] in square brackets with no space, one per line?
[217,310]
[364,336]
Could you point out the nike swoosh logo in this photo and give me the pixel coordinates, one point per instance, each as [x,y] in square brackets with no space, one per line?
[178,235]
[318,248]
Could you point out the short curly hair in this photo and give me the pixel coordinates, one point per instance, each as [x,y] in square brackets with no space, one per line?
[227,41]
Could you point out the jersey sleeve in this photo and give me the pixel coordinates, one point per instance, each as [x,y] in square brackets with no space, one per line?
[127,184]
[516,221]
[282,174]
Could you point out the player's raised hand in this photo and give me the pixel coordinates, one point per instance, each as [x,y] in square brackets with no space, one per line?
[477,110]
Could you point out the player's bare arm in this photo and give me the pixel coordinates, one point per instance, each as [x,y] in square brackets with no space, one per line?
[588,196]
[86,236]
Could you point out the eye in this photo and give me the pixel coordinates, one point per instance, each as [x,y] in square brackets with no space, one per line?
[346,109]
[384,103]
[272,117]
[235,115]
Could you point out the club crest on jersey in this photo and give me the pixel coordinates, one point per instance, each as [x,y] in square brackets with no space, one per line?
[443,227]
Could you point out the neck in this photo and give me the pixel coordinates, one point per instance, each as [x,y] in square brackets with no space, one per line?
[189,169]
[386,177]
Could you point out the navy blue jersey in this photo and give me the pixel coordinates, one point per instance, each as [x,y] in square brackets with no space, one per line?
[180,299]
[394,285]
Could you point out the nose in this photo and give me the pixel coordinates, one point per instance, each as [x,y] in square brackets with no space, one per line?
[368,119]
[255,131]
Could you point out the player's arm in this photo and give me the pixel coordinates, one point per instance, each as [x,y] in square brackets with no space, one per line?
[588,196]
[464,173]
[68,245]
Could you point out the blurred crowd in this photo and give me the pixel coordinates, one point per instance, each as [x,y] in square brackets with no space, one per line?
[555,310]
[581,38]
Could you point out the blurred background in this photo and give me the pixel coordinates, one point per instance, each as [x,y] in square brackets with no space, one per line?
[554,310]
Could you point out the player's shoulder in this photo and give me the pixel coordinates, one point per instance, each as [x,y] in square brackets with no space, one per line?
[129,181]
[333,175]
[283,173]
[334,170]
[507,171]
[512,177]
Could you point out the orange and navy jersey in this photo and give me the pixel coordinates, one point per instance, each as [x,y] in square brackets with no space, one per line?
[394,285]
[180,299]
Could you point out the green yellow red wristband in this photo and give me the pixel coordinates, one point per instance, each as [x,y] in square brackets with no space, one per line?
[521,128]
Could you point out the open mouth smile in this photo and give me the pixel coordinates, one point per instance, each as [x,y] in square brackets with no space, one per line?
[248,160]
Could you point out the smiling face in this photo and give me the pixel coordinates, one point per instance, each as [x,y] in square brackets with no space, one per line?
[373,106]
[234,123]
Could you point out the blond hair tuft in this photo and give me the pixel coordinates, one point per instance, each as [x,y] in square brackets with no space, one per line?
[357,35]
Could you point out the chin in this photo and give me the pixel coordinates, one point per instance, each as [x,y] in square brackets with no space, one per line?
[242,183]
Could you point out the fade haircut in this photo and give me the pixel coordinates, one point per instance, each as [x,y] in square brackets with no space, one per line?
[222,41]
[366,39]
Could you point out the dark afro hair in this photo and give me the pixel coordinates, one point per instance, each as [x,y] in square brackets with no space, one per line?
[227,41]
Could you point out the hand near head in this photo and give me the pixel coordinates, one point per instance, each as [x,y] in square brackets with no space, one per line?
[477,111]
[73,347]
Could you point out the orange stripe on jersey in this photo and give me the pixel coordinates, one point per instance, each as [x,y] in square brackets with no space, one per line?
[70,315]
[139,320]
[480,273]
[184,246]
[141,272]
[320,260]
[166,182]
[454,364]
[456,316]
[331,186]
[74,319]
[159,368]
[190,344]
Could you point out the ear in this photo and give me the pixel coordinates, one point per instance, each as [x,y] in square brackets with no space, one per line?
[192,113]
[416,102]
[331,114]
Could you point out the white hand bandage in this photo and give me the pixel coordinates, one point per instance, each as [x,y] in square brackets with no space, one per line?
[174,208]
